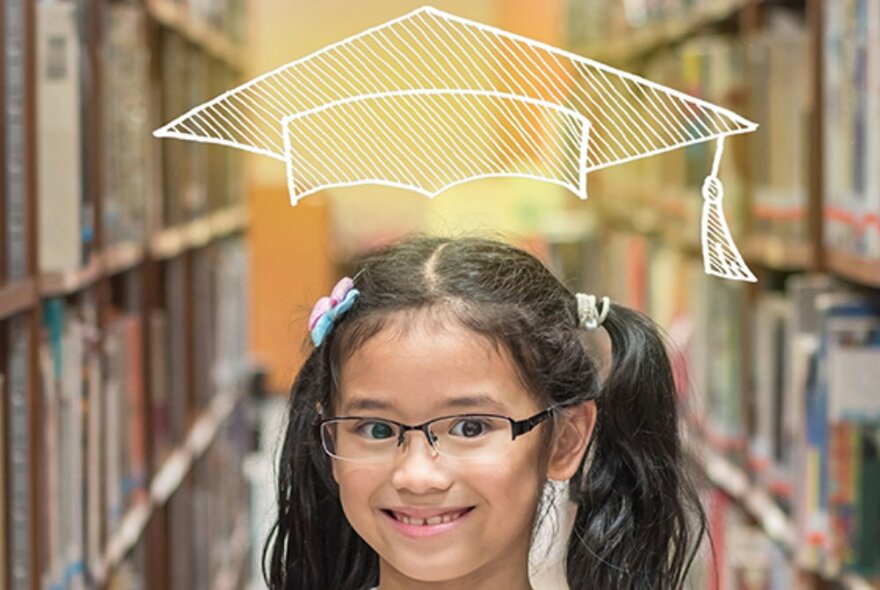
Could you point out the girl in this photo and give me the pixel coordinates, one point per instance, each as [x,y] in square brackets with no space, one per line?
[449,384]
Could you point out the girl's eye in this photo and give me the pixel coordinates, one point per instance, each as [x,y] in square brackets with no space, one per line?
[375,430]
[468,428]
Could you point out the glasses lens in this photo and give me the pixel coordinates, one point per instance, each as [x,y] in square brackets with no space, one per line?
[359,439]
[473,436]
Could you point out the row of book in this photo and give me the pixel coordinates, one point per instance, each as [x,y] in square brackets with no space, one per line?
[117,395]
[781,380]
[851,95]
[744,558]
[591,23]
[664,189]
[194,178]
[201,533]
[767,76]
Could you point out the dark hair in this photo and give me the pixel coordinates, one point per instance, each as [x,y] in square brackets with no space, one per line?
[639,521]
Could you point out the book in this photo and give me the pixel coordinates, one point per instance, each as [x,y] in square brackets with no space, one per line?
[127,161]
[840,411]
[779,91]
[59,138]
[184,164]
[175,296]
[771,443]
[852,359]
[125,477]
[3,478]
[16,97]
[20,454]
[851,94]
[63,452]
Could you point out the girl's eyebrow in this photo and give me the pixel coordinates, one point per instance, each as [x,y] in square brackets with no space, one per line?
[468,401]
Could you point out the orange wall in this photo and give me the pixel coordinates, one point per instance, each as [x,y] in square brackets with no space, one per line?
[290,269]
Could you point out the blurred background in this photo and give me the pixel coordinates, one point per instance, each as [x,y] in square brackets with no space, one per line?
[154,294]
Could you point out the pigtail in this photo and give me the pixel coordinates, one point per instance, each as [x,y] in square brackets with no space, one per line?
[633,527]
[311,536]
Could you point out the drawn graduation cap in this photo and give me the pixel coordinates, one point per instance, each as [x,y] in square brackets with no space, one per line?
[431,100]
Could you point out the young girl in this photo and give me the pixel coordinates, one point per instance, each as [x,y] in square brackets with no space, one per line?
[449,384]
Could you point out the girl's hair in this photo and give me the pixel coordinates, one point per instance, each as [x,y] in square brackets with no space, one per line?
[639,521]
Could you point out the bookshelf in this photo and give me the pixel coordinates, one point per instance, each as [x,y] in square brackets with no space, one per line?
[777,429]
[123,286]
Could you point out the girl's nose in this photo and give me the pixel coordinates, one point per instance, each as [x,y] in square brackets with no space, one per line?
[416,468]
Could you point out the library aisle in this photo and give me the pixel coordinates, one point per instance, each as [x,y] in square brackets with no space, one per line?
[154,293]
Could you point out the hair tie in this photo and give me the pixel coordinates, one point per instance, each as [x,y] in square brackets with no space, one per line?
[329,309]
[589,315]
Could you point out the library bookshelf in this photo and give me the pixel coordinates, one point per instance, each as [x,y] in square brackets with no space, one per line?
[778,465]
[124,366]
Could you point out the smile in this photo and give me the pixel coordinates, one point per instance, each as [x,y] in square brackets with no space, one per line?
[434,520]
[413,526]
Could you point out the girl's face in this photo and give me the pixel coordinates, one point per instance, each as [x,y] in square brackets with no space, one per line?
[427,372]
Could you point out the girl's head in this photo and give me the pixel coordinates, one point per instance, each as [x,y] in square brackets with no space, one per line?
[449,327]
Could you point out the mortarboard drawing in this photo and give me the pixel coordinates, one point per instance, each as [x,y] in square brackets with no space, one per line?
[430,100]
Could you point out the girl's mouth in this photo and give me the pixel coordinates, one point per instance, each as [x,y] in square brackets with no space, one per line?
[425,527]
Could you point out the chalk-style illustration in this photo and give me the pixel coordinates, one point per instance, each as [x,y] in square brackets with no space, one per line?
[430,100]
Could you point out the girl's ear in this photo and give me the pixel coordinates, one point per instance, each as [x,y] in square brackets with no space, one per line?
[571,441]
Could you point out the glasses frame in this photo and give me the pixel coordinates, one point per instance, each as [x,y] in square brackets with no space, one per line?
[517,428]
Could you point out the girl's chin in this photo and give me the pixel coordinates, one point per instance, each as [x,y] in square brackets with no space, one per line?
[408,576]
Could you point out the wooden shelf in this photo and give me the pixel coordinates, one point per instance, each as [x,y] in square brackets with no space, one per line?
[17,297]
[217,43]
[643,40]
[59,284]
[166,481]
[761,506]
[171,242]
[127,255]
[772,252]
[122,257]
[115,259]
[865,271]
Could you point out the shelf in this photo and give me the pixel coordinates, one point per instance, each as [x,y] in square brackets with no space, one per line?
[642,40]
[759,504]
[115,259]
[122,257]
[166,481]
[227,578]
[59,284]
[775,253]
[217,43]
[17,297]
[865,271]
[171,242]
[125,256]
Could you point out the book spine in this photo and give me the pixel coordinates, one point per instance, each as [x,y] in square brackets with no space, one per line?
[15,164]
[20,496]
[59,138]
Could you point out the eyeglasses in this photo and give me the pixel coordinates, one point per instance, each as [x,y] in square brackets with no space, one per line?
[463,436]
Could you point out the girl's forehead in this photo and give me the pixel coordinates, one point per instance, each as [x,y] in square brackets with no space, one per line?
[425,369]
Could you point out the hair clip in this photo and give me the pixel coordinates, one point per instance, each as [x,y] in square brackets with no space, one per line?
[589,315]
[329,309]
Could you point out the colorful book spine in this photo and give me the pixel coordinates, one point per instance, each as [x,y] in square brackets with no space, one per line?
[851,95]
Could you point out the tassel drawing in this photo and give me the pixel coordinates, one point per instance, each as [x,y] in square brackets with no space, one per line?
[720,255]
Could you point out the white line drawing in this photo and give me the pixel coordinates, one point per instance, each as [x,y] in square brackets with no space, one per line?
[430,100]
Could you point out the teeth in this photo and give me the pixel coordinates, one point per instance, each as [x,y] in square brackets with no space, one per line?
[433,521]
